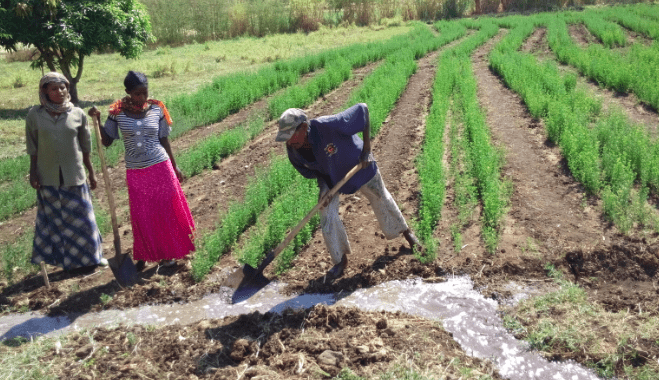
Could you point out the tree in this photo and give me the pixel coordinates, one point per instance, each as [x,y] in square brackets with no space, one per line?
[66,31]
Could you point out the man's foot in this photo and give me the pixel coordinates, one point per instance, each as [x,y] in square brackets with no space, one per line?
[413,241]
[337,270]
[140,265]
[103,262]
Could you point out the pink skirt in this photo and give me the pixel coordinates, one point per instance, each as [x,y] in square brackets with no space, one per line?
[163,227]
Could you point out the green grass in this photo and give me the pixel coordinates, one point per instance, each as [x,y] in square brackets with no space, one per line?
[562,322]
[19,359]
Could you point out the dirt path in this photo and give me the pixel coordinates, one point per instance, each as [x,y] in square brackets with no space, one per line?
[581,35]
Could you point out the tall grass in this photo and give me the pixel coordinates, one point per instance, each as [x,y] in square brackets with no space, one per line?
[201,20]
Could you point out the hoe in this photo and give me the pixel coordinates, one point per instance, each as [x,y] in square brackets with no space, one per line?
[251,279]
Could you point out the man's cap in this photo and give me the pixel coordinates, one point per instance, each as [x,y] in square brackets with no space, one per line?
[288,122]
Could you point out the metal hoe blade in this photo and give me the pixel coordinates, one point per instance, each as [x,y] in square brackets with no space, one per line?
[124,270]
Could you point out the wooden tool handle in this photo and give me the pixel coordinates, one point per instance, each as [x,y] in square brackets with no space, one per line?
[108,184]
[317,207]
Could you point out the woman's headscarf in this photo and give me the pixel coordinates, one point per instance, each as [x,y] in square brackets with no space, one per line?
[54,77]
[133,80]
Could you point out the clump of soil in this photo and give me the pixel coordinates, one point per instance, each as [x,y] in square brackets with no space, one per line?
[316,343]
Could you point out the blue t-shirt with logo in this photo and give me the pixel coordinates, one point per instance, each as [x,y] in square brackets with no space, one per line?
[336,147]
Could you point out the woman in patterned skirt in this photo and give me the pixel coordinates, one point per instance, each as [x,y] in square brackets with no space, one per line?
[162,224]
[59,144]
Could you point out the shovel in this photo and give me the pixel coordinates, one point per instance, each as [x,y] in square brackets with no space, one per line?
[121,264]
[251,279]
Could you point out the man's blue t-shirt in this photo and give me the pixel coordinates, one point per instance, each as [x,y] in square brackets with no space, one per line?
[336,148]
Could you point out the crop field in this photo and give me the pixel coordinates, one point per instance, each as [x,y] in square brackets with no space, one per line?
[522,150]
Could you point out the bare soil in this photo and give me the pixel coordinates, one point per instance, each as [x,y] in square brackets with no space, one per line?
[315,343]
[582,36]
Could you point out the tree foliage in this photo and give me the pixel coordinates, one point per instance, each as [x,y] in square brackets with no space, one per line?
[66,31]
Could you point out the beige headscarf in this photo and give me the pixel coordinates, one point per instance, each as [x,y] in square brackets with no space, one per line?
[54,77]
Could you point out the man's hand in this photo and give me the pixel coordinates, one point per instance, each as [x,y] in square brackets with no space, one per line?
[323,199]
[365,158]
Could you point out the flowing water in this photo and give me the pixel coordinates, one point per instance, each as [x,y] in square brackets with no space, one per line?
[471,318]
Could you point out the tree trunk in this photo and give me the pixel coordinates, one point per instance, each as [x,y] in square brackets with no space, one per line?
[73,91]
[478,7]
[65,66]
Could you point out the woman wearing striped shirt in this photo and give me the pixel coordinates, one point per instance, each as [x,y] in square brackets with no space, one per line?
[162,224]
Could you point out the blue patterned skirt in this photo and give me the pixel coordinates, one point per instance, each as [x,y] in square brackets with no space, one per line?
[66,234]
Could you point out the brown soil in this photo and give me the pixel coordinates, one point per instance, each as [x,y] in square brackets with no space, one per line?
[636,38]
[581,35]
[317,343]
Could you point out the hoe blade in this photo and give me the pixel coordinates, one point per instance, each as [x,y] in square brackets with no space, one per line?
[249,279]
[124,270]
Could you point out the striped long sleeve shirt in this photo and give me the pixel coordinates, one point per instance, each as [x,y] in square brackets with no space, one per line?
[141,137]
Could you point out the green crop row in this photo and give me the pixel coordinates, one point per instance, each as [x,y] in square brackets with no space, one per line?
[207,152]
[609,33]
[631,20]
[260,192]
[432,176]
[283,214]
[484,159]
[605,153]
[638,71]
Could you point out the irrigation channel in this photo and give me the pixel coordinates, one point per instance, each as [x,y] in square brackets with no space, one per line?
[471,319]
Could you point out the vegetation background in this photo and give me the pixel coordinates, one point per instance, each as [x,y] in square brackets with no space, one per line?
[197,40]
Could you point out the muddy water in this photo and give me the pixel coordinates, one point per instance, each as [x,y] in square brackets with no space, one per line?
[471,318]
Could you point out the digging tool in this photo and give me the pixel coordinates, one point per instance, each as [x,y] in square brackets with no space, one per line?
[251,279]
[121,264]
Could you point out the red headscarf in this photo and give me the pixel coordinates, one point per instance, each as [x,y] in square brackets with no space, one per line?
[127,104]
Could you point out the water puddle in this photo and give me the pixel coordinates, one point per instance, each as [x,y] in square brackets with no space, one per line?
[471,318]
